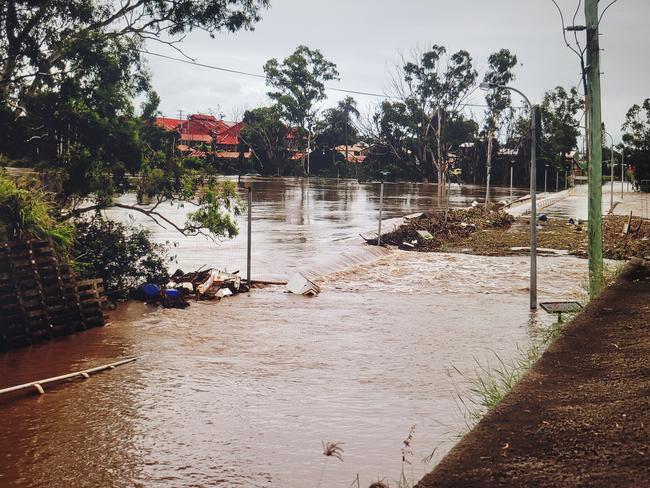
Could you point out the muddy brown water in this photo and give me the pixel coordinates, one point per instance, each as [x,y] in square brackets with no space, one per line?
[243,391]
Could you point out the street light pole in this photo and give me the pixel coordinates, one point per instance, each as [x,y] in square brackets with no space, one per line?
[533,204]
[533,188]
[611,162]
[511,174]
[622,171]
[545,176]
[381,207]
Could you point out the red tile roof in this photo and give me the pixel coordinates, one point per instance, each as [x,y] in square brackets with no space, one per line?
[204,128]
[167,123]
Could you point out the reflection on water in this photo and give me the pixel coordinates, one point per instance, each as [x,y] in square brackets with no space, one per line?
[298,223]
[243,391]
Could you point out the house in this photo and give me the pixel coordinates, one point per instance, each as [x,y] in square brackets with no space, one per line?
[201,135]
[356,153]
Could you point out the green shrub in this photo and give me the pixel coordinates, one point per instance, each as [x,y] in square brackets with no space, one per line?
[26,211]
[123,256]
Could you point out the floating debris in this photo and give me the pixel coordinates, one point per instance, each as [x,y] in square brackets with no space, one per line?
[206,284]
[300,285]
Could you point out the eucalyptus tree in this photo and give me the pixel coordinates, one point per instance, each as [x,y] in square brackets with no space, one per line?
[298,83]
[431,89]
[500,66]
[266,136]
[559,125]
[636,137]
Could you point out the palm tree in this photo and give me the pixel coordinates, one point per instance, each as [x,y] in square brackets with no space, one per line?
[348,106]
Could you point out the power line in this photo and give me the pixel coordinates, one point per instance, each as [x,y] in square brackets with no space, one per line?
[257,75]
[605,10]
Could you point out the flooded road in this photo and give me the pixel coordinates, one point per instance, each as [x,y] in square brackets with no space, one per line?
[301,223]
[243,391]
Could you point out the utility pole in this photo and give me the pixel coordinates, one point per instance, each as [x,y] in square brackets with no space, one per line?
[511,175]
[308,148]
[441,173]
[545,176]
[595,206]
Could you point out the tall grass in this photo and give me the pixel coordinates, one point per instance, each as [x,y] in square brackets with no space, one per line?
[27,212]
[490,383]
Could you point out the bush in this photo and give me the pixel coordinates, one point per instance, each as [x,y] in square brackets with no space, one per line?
[123,256]
[26,212]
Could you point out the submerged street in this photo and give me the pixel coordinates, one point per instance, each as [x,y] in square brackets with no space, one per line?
[241,392]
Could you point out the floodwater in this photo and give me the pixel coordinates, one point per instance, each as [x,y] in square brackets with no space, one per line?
[243,391]
[307,224]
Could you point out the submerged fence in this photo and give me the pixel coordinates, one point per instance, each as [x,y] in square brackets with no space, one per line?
[40,298]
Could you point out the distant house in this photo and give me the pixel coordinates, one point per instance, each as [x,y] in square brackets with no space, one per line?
[203,135]
[355,154]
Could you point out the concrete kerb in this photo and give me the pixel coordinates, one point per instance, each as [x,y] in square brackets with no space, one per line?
[546,200]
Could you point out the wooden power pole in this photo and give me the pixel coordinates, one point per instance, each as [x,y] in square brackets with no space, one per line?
[595,212]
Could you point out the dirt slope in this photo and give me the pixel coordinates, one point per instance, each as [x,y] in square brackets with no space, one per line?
[581,417]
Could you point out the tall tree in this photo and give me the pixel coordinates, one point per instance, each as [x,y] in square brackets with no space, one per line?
[347,107]
[500,65]
[298,83]
[45,40]
[267,137]
[560,130]
[336,125]
[432,88]
[69,71]
[637,139]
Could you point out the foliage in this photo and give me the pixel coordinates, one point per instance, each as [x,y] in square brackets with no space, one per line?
[500,65]
[123,256]
[430,89]
[336,125]
[69,72]
[298,83]
[637,139]
[43,41]
[27,212]
[559,124]
[489,384]
[266,135]
[170,181]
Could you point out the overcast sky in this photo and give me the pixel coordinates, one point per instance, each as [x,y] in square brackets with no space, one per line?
[365,38]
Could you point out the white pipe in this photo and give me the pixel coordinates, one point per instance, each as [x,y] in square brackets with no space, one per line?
[84,374]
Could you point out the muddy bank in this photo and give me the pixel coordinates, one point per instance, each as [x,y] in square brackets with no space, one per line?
[581,416]
[493,232]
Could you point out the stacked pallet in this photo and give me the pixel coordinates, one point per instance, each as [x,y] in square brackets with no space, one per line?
[38,296]
[92,302]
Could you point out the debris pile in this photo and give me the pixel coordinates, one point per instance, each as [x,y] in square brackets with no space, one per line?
[626,237]
[209,284]
[430,231]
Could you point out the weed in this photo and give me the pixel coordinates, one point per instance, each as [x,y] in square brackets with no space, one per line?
[330,449]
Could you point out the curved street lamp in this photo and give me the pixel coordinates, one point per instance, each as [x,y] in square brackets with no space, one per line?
[533,188]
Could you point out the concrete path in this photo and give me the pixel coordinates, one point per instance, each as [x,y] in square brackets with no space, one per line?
[573,203]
